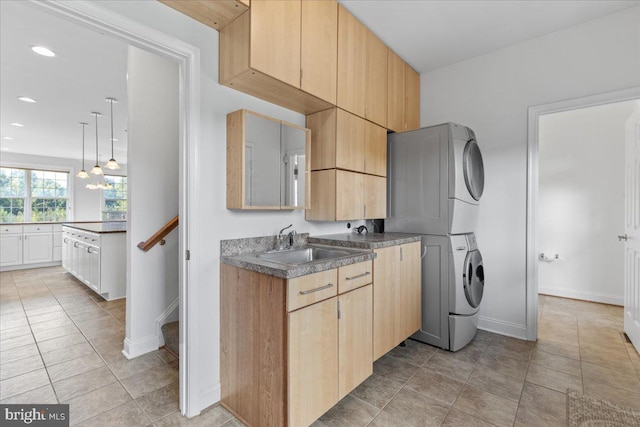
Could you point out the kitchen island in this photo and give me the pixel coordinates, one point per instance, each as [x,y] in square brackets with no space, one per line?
[95,253]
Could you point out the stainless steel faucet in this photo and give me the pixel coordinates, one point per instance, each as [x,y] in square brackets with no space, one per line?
[282,238]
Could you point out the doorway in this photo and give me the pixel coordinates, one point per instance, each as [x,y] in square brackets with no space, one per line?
[188,60]
[560,206]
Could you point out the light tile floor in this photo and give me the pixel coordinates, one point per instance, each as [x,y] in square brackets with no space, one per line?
[60,342]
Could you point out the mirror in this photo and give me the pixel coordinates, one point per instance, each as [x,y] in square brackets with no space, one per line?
[267,162]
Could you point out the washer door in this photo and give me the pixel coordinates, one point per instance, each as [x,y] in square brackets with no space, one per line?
[473,169]
[473,278]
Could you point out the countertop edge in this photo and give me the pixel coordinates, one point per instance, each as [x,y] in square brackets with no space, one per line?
[297,271]
[365,244]
[88,230]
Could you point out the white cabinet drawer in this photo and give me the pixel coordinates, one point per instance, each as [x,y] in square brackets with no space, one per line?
[57,228]
[38,228]
[11,229]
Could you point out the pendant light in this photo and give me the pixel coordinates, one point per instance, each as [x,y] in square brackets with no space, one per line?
[97,170]
[83,173]
[112,164]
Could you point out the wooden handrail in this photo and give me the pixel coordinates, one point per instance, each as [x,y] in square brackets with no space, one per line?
[160,234]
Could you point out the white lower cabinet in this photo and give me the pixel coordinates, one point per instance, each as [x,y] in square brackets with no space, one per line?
[37,248]
[11,249]
[97,260]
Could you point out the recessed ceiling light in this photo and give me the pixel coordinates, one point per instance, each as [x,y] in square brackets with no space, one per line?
[20,125]
[41,50]
[26,99]
[8,138]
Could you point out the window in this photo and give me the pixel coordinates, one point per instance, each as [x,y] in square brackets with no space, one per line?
[13,192]
[115,198]
[33,195]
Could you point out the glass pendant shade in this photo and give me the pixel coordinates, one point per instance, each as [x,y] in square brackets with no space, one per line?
[91,186]
[97,170]
[83,173]
[112,164]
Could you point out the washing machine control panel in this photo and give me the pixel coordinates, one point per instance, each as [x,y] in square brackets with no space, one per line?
[471,241]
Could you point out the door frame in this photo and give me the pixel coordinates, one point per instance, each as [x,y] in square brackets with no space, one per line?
[187,57]
[533,171]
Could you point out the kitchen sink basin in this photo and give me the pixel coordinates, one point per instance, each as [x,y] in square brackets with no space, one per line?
[304,255]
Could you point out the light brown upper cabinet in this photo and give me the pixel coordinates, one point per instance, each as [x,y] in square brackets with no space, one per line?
[338,195]
[275,39]
[216,14]
[376,81]
[267,163]
[375,149]
[342,140]
[412,98]
[352,63]
[403,90]
[319,54]
[267,51]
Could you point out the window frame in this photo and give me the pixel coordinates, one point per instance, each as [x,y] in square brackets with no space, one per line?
[28,200]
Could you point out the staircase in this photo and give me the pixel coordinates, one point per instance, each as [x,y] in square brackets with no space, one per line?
[170,331]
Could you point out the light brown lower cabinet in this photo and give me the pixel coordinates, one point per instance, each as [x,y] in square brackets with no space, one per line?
[292,348]
[396,296]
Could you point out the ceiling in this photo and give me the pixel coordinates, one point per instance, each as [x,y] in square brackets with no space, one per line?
[90,66]
[87,68]
[434,34]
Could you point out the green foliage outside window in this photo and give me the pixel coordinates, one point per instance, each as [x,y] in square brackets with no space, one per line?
[115,198]
[46,191]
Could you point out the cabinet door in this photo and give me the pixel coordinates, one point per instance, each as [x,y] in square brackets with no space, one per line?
[352,62]
[355,338]
[275,39]
[313,362]
[375,204]
[375,152]
[38,247]
[350,195]
[350,145]
[395,92]
[319,52]
[385,274]
[376,80]
[11,249]
[65,251]
[92,269]
[412,99]
[409,291]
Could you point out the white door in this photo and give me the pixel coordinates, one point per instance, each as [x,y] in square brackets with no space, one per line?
[38,247]
[631,238]
[11,249]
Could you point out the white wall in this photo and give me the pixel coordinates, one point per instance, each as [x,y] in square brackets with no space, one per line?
[216,221]
[581,202]
[491,94]
[86,204]
[152,277]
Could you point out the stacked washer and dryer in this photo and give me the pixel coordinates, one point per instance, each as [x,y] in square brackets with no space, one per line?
[435,181]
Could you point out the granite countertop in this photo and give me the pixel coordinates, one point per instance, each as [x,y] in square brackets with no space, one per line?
[242,253]
[58,222]
[99,227]
[365,240]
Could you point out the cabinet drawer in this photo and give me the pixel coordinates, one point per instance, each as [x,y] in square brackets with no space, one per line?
[306,290]
[57,227]
[38,228]
[355,275]
[11,229]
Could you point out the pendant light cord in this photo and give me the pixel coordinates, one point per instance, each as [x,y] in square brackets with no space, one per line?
[96,115]
[83,125]
[111,102]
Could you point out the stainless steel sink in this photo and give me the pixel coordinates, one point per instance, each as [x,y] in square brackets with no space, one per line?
[304,255]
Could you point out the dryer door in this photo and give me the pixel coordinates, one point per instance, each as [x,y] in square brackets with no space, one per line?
[473,169]
[473,278]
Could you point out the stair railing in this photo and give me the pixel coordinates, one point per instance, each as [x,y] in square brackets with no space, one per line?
[159,236]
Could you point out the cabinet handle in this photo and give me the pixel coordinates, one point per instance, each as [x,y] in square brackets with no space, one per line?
[401,256]
[19,237]
[310,291]
[75,244]
[366,273]
[25,237]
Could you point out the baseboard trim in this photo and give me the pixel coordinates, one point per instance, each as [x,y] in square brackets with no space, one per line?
[582,295]
[502,327]
[139,347]
[160,320]
[29,266]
